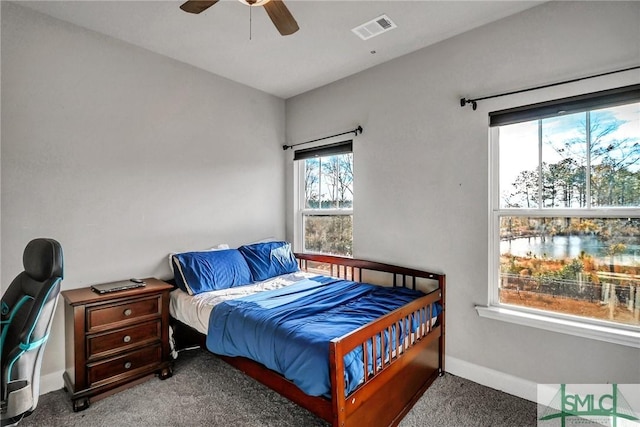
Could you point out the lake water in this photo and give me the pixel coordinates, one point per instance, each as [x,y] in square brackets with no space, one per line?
[560,247]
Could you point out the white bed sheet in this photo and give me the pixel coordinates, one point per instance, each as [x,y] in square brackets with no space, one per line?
[194,310]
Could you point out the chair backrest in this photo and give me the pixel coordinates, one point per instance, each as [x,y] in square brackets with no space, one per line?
[27,309]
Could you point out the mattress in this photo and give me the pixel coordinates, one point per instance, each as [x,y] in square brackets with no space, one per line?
[195,310]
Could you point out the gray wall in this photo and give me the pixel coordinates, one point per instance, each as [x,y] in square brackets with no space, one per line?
[124,155]
[421,167]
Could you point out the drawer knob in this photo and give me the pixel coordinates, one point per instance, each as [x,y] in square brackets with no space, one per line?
[127,365]
[128,312]
[126,338]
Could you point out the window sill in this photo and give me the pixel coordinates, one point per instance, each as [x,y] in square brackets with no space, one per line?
[609,334]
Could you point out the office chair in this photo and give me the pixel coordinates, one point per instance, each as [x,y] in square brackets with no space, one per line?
[27,310]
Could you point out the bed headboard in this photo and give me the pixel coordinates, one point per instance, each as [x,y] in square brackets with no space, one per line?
[371,272]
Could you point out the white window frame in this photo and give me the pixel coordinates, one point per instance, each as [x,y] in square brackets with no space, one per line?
[627,335]
[301,211]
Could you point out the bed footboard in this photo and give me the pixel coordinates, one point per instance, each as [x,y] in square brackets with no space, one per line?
[403,368]
[401,365]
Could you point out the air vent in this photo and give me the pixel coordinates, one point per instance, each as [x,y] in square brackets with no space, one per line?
[374,27]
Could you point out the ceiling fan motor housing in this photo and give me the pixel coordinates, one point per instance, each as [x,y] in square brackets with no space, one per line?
[255,2]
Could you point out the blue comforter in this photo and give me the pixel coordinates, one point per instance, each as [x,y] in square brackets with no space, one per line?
[288,330]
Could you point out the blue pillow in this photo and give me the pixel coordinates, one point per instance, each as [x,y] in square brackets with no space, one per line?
[177,276]
[269,259]
[198,272]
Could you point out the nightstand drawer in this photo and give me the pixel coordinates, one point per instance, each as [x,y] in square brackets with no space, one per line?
[131,362]
[126,312]
[133,336]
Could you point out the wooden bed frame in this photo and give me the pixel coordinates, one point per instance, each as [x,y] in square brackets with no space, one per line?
[395,385]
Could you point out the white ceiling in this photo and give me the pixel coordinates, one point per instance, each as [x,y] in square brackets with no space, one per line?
[322,51]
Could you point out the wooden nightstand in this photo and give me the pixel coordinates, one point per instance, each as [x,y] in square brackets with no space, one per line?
[115,340]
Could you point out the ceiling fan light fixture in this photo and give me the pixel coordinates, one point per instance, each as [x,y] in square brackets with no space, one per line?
[254,2]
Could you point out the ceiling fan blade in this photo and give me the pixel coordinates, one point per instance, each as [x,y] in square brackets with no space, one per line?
[281,17]
[193,6]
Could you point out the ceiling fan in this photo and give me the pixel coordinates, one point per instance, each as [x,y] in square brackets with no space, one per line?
[277,11]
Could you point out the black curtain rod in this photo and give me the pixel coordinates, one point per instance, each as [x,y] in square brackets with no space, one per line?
[474,105]
[356,131]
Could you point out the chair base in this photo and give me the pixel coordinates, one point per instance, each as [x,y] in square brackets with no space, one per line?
[19,402]
[13,421]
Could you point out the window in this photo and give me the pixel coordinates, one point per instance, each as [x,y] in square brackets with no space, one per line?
[565,210]
[325,201]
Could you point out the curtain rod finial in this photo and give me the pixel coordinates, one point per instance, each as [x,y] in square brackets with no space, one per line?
[359,130]
[465,101]
[286,147]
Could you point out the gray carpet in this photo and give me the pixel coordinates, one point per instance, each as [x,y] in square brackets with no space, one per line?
[204,391]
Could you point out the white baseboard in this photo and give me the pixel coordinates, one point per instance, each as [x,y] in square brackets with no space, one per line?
[492,378]
[51,382]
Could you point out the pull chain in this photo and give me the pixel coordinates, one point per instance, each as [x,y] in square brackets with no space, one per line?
[250,7]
